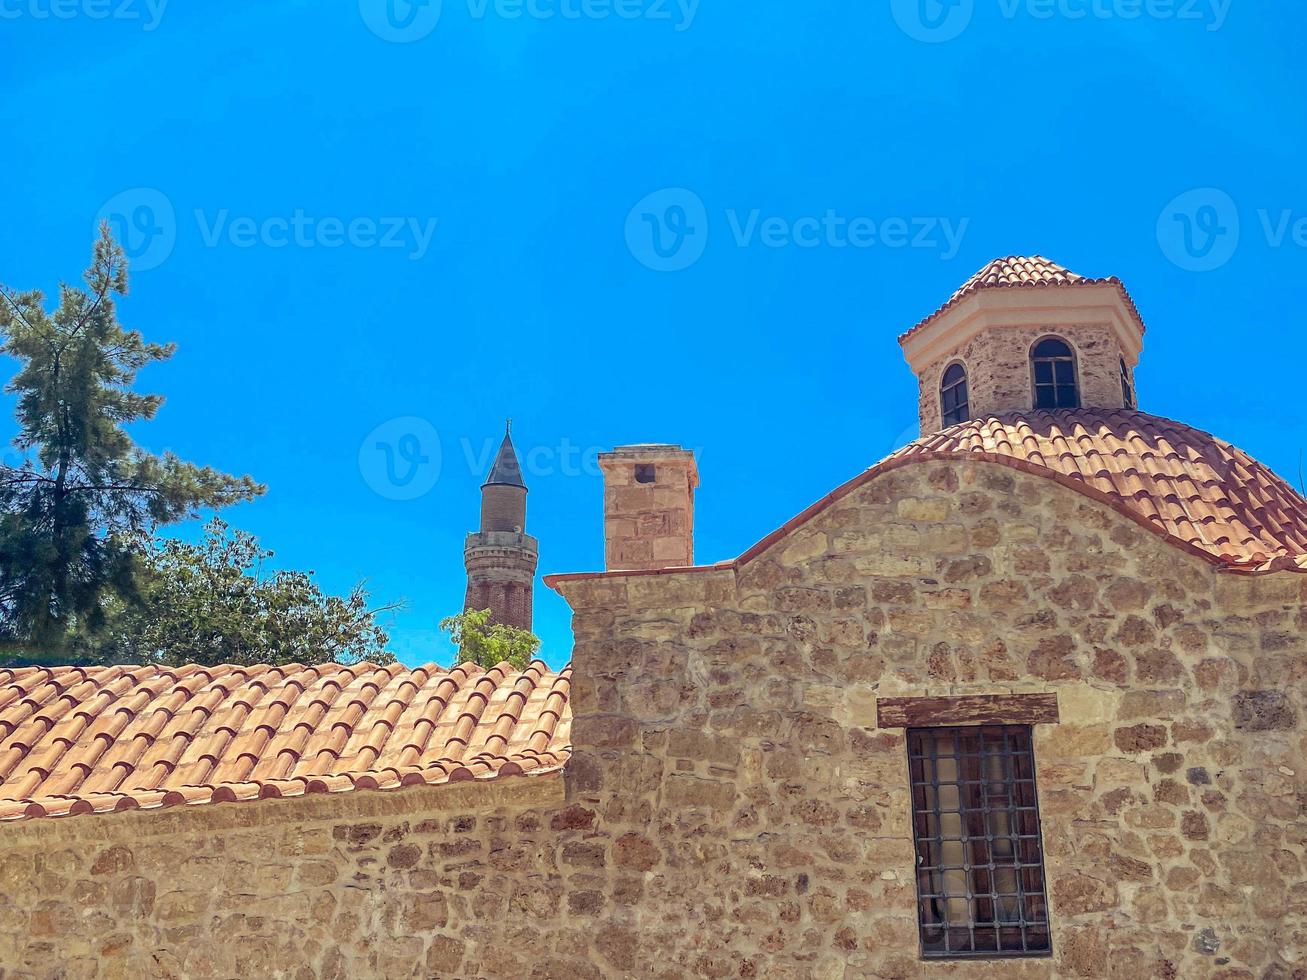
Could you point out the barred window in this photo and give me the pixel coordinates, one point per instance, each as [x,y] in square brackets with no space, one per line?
[975,822]
[953,395]
[1055,374]
[1127,389]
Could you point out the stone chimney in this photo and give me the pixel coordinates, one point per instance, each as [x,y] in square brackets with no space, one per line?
[648,507]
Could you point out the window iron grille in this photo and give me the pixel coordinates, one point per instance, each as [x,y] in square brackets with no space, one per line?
[975,822]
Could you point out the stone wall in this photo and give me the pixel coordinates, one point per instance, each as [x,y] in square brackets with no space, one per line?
[731,718]
[732,810]
[999,379]
[462,880]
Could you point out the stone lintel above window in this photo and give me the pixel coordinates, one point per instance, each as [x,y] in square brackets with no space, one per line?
[973,709]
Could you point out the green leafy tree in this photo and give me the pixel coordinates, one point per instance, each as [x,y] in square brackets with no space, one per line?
[82,500]
[211,602]
[489,644]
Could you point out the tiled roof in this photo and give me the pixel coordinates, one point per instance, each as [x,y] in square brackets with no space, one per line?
[1017,270]
[1020,271]
[1184,483]
[83,740]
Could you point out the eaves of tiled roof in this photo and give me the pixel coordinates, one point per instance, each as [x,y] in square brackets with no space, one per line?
[1201,494]
[91,740]
[1197,490]
[1024,272]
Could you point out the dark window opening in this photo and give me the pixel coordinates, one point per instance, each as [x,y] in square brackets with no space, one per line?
[644,473]
[953,395]
[1127,389]
[1055,375]
[980,862]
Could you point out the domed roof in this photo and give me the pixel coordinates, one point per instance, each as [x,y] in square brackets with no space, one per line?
[1181,482]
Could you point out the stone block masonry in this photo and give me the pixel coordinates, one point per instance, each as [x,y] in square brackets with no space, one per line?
[649,507]
[732,808]
[999,374]
[501,569]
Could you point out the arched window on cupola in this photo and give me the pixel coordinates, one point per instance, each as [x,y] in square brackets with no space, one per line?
[1054,365]
[953,401]
[1127,388]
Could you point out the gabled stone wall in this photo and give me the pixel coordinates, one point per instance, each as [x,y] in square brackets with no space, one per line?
[731,720]
[732,810]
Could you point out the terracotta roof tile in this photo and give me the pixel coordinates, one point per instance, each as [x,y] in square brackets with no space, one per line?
[1186,484]
[96,740]
[1017,270]
[1020,271]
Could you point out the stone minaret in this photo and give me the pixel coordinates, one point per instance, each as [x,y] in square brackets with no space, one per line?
[501,557]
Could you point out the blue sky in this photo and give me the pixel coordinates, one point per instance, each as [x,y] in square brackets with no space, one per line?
[365,223]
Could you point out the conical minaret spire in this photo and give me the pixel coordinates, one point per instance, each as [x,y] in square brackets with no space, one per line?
[501,557]
[506,470]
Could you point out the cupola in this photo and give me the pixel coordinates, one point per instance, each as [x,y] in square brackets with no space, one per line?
[1025,333]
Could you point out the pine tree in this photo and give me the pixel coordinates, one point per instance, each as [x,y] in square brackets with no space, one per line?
[77,510]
